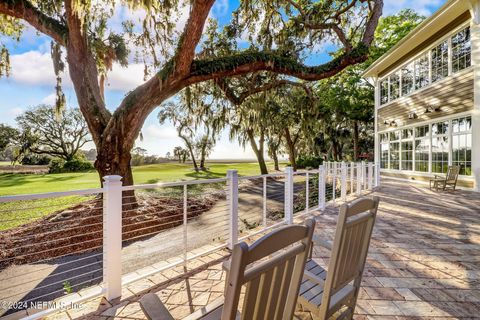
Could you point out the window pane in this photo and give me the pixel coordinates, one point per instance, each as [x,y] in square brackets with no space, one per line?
[407,79]
[461,50]
[440,154]
[395,155]
[422,150]
[383,137]
[421,131]
[394,86]
[407,133]
[440,61]
[384,155]
[440,128]
[407,155]
[462,145]
[384,91]
[421,72]
[395,135]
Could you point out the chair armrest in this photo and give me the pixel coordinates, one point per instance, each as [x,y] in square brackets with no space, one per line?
[153,308]
[226,265]
[322,243]
[312,277]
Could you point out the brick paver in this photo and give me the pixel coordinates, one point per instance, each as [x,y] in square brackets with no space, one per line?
[424,263]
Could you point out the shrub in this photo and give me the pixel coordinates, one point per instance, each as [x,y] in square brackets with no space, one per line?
[304,162]
[56,165]
[77,165]
[34,159]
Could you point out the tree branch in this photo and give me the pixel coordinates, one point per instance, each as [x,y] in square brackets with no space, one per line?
[247,62]
[23,9]
[240,98]
[191,36]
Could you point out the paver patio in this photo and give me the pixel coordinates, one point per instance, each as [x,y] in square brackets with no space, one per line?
[424,263]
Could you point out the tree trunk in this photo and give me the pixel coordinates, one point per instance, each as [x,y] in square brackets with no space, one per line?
[275,160]
[203,156]
[258,150]
[291,150]
[355,140]
[334,151]
[190,150]
[114,159]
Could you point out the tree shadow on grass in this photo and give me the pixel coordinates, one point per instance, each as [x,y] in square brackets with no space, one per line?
[15,179]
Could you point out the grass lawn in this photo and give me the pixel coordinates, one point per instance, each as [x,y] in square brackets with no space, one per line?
[16,213]
[11,184]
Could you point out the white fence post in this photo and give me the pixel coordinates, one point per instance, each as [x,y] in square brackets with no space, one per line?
[377,174]
[307,192]
[289,195]
[359,178]
[352,177]
[112,236]
[364,175]
[264,218]
[232,197]
[185,227]
[343,191]
[370,176]
[321,186]
[334,182]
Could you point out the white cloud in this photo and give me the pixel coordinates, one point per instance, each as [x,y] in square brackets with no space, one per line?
[50,99]
[231,150]
[160,132]
[125,79]
[34,68]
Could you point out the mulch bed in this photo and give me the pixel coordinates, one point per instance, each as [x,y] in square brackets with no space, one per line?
[79,229]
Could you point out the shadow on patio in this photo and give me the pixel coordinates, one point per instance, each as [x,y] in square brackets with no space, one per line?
[424,262]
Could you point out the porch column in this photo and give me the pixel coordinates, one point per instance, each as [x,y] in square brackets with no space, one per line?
[475,41]
[377,140]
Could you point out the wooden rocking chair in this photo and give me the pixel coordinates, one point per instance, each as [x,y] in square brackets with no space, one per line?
[324,293]
[449,181]
[271,269]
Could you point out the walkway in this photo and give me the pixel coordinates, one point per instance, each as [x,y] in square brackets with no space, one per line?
[424,262]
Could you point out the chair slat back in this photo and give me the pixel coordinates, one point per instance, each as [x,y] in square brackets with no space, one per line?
[350,248]
[452,173]
[271,269]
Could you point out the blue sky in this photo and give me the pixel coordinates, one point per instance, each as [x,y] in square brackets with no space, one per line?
[32,82]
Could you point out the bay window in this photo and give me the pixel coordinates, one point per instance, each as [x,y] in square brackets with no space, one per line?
[429,148]
[432,65]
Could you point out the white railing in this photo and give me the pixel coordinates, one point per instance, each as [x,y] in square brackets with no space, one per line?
[141,230]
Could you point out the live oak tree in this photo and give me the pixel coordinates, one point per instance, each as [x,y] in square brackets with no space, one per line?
[55,134]
[83,29]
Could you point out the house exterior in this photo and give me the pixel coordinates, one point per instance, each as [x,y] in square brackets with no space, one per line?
[427,98]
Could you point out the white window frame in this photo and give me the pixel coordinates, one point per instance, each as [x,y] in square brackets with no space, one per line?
[427,50]
[448,118]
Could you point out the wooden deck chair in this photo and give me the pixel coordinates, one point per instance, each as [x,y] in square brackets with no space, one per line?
[271,269]
[449,181]
[324,293]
